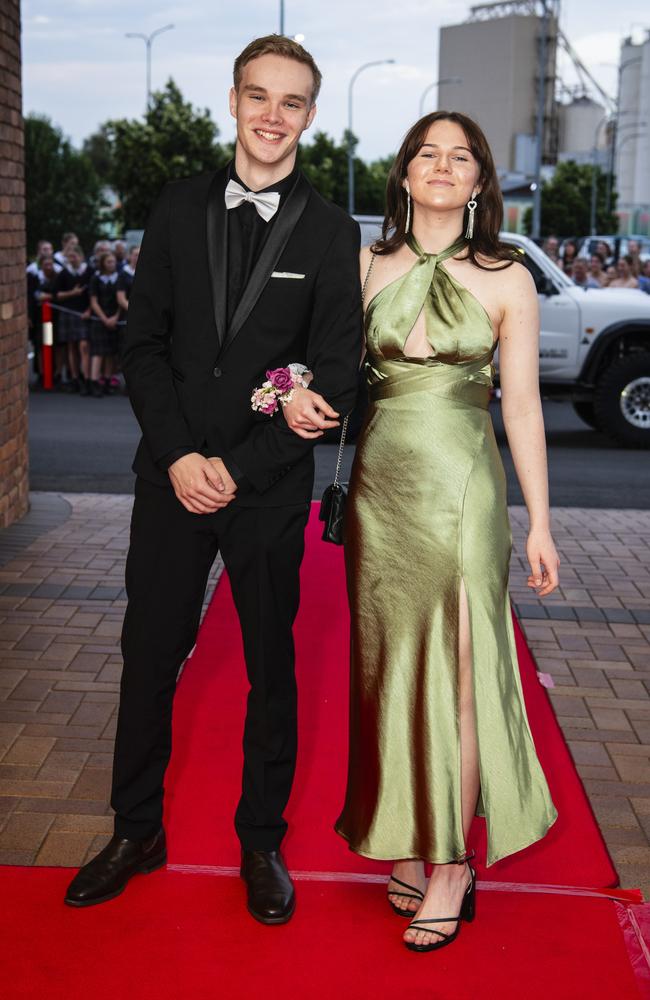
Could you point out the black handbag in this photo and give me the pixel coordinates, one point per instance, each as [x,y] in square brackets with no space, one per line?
[332,505]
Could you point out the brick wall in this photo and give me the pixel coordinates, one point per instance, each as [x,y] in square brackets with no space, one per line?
[14,496]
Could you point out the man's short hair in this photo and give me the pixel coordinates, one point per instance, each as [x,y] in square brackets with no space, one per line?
[277,45]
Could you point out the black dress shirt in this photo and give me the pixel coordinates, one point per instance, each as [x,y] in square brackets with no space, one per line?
[247,233]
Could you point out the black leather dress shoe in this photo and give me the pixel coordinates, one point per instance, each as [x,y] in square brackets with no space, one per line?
[271,897]
[106,875]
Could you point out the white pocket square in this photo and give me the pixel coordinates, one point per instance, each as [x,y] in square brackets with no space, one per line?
[286,274]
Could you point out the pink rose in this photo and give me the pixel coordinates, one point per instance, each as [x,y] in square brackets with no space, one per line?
[270,407]
[281,379]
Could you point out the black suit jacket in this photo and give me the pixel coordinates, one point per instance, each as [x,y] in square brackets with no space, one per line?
[190,376]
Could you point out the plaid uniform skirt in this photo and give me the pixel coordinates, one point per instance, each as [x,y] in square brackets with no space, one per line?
[71,327]
[103,342]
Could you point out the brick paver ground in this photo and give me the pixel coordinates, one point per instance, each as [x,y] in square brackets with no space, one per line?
[61,607]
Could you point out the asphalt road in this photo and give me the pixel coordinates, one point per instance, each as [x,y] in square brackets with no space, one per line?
[86,445]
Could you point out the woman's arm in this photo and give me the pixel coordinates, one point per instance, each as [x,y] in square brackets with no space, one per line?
[109,321]
[309,415]
[96,308]
[71,293]
[521,408]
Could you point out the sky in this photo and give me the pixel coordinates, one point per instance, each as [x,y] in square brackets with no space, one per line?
[80,70]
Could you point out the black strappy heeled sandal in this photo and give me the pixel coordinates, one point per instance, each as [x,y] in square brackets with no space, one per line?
[467,912]
[413,894]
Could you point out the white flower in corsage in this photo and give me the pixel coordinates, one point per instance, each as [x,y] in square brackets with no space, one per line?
[279,387]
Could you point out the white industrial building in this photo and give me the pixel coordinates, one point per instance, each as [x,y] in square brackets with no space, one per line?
[496,56]
[494,59]
[632,150]
[583,129]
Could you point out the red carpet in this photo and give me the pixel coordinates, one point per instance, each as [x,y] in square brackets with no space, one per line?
[185,935]
[188,937]
[204,777]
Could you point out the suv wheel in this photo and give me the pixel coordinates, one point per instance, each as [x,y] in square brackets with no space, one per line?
[622,401]
[586,413]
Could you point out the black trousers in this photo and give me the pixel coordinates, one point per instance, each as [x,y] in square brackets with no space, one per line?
[167,568]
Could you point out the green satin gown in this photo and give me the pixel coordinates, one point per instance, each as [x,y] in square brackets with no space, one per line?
[426,515]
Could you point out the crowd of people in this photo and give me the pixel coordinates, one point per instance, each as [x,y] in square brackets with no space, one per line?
[600,269]
[89,300]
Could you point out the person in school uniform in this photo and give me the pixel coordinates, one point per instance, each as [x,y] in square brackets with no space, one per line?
[43,249]
[100,247]
[103,327]
[121,255]
[34,275]
[67,240]
[72,297]
[125,279]
[41,287]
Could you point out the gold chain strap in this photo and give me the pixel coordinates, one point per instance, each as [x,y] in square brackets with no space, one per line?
[344,428]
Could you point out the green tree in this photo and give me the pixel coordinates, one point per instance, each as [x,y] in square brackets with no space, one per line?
[99,150]
[175,140]
[325,163]
[62,189]
[370,186]
[566,202]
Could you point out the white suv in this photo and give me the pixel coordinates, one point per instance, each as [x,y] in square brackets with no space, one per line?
[594,348]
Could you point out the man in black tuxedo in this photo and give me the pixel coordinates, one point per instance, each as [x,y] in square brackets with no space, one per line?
[240,271]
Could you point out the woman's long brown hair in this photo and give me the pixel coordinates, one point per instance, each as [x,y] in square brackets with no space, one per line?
[489,211]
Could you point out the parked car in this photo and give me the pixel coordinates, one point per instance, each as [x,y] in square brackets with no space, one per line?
[370,226]
[594,348]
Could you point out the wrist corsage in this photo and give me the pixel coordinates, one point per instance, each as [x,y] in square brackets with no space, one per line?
[278,388]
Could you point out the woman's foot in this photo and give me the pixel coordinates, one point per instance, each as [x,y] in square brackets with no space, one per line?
[411,872]
[444,898]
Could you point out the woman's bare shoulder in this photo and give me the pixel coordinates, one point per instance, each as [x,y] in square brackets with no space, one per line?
[513,274]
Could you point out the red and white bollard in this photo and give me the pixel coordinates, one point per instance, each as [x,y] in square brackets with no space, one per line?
[47,354]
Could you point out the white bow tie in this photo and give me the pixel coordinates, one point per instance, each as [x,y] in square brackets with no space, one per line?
[266,202]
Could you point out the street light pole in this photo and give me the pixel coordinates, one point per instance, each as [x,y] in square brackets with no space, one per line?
[375,62]
[282,17]
[437,83]
[148,41]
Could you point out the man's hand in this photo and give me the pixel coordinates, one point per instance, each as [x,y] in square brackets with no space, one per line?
[307,414]
[200,484]
[222,472]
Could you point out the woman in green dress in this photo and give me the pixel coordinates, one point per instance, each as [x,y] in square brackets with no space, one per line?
[438,727]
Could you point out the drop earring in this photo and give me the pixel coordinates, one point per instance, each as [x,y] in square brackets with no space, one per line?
[408,210]
[471,206]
